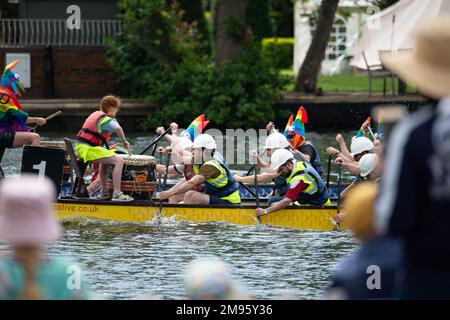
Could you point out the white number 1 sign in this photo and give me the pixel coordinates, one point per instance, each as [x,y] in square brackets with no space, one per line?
[41,167]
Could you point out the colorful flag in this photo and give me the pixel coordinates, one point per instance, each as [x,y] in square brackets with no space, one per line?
[196,127]
[10,80]
[12,117]
[363,132]
[295,128]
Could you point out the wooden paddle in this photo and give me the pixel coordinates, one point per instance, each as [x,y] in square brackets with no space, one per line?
[339,190]
[257,192]
[162,186]
[371,133]
[254,166]
[248,189]
[250,170]
[57,113]
[328,172]
[155,142]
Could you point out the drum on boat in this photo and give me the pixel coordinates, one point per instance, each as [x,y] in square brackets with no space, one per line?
[138,176]
[67,171]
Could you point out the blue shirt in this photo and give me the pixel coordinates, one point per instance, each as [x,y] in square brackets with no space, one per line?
[107,124]
[57,278]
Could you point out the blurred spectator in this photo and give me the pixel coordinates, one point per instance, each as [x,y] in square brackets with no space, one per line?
[415,187]
[27,224]
[210,279]
[370,273]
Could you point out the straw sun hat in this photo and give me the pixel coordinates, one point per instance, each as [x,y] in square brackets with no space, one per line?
[27,216]
[428,65]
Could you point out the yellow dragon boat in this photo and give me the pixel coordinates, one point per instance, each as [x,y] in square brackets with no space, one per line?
[308,217]
[50,161]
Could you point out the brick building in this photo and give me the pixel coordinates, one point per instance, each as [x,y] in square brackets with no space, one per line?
[61,62]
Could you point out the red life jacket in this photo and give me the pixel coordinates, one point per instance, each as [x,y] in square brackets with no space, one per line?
[89,134]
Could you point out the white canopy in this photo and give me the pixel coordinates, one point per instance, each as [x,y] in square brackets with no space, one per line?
[393,28]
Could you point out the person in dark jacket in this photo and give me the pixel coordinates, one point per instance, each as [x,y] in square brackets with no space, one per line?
[370,272]
[415,187]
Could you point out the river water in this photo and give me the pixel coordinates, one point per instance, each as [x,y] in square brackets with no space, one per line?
[124,261]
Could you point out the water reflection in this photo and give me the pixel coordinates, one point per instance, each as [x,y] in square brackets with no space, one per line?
[123,261]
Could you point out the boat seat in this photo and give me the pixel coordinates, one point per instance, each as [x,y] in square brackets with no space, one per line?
[79,189]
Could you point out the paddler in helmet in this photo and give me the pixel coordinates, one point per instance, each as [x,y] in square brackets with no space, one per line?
[304,183]
[274,141]
[182,165]
[220,186]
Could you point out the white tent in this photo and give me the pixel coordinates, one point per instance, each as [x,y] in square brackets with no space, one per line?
[393,28]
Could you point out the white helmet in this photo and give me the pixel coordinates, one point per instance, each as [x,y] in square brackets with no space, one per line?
[204,141]
[280,157]
[367,164]
[276,140]
[361,144]
[184,142]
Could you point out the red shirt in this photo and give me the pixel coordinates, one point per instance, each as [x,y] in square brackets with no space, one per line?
[295,188]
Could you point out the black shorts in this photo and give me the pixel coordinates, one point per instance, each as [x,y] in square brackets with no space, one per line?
[7,139]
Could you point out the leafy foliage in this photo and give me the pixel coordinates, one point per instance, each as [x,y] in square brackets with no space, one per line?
[280,51]
[258,18]
[282,15]
[159,57]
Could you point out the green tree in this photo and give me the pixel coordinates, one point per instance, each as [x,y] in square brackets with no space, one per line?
[231,29]
[282,15]
[193,13]
[258,18]
[158,57]
[153,42]
[309,70]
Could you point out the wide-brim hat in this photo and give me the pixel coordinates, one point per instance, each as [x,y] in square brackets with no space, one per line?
[428,65]
[27,214]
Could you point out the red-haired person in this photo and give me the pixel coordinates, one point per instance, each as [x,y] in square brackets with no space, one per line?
[92,145]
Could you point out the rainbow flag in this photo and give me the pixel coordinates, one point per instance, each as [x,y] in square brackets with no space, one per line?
[12,117]
[295,128]
[10,80]
[196,127]
[363,132]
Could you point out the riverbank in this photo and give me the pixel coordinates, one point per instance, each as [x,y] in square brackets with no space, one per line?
[337,111]
[340,111]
